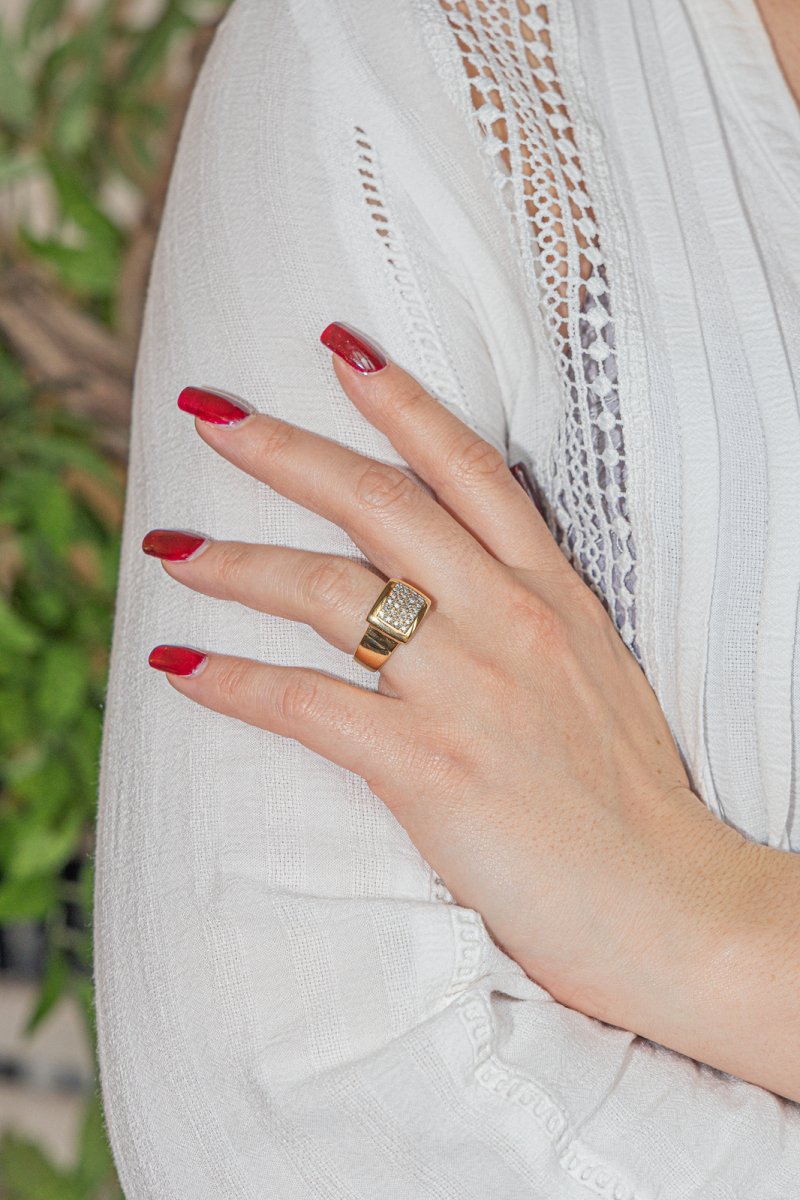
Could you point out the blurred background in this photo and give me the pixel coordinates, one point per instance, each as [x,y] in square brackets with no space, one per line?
[92,97]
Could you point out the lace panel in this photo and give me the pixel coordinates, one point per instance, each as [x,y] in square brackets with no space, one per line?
[525,131]
[407,277]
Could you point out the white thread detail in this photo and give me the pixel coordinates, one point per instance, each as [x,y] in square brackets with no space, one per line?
[574,1156]
[407,278]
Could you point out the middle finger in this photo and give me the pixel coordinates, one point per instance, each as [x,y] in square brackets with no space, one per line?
[329,593]
[398,526]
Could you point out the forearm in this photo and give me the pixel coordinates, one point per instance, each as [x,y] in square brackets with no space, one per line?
[749,991]
[717,978]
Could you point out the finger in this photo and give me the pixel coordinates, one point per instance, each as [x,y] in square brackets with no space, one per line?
[330,593]
[397,525]
[358,729]
[470,477]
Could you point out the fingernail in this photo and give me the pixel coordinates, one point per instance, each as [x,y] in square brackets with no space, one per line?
[174,545]
[211,407]
[177,660]
[523,478]
[354,348]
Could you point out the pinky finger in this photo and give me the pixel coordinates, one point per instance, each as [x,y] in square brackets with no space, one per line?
[350,726]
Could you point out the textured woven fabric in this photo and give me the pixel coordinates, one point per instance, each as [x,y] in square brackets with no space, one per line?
[576,224]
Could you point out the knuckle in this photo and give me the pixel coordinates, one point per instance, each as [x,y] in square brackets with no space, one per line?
[299,698]
[592,609]
[231,681]
[447,768]
[406,400]
[231,559]
[496,683]
[536,622]
[440,758]
[380,487]
[472,460]
[275,437]
[327,583]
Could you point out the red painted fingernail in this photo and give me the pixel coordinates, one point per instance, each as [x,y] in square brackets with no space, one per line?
[173,544]
[354,348]
[211,407]
[177,660]
[524,479]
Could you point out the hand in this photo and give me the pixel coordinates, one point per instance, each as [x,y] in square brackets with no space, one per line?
[515,737]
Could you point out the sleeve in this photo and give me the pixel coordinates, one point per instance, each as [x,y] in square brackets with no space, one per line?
[288,1001]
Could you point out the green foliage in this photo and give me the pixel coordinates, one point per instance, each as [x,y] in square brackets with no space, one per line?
[86,98]
[83,107]
[58,561]
[27,1174]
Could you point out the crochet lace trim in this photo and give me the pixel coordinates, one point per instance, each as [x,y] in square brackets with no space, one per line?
[525,132]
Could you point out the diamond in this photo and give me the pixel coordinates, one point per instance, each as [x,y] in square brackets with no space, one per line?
[401,607]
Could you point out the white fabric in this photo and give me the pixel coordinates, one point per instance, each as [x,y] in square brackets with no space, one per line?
[289,1003]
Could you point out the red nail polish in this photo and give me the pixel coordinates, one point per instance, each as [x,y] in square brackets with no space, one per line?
[354,348]
[177,660]
[172,544]
[524,479]
[209,406]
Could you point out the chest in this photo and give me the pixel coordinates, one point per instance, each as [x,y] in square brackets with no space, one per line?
[782,22]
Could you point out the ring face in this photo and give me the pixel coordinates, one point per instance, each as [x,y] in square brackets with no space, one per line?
[399,609]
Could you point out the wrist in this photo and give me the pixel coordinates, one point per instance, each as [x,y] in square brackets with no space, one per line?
[720,975]
[748,990]
[673,967]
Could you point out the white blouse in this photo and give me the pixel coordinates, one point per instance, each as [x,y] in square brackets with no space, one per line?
[577,224]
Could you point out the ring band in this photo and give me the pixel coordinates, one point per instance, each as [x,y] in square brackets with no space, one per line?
[393,618]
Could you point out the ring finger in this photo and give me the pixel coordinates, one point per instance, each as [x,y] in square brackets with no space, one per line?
[330,593]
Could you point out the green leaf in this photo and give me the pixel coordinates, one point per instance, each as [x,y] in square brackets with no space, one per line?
[14,387]
[152,46]
[83,50]
[16,95]
[85,749]
[77,117]
[41,16]
[63,684]
[54,514]
[16,719]
[27,899]
[39,849]
[78,204]
[29,760]
[17,636]
[54,986]
[43,777]
[27,1174]
[49,605]
[96,1166]
[91,267]
[89,272]
[109,561]
[59,449]
[83,988]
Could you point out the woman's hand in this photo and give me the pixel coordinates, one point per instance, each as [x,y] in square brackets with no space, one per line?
[514,737]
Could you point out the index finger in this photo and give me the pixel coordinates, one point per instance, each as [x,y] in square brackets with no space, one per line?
[470,477]
[401,528]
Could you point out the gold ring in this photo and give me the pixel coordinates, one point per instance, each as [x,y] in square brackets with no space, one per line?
[393,618]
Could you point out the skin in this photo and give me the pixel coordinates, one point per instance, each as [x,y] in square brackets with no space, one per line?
[545,788]
[782,22]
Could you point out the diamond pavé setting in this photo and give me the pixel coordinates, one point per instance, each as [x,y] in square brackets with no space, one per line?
[401,607]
